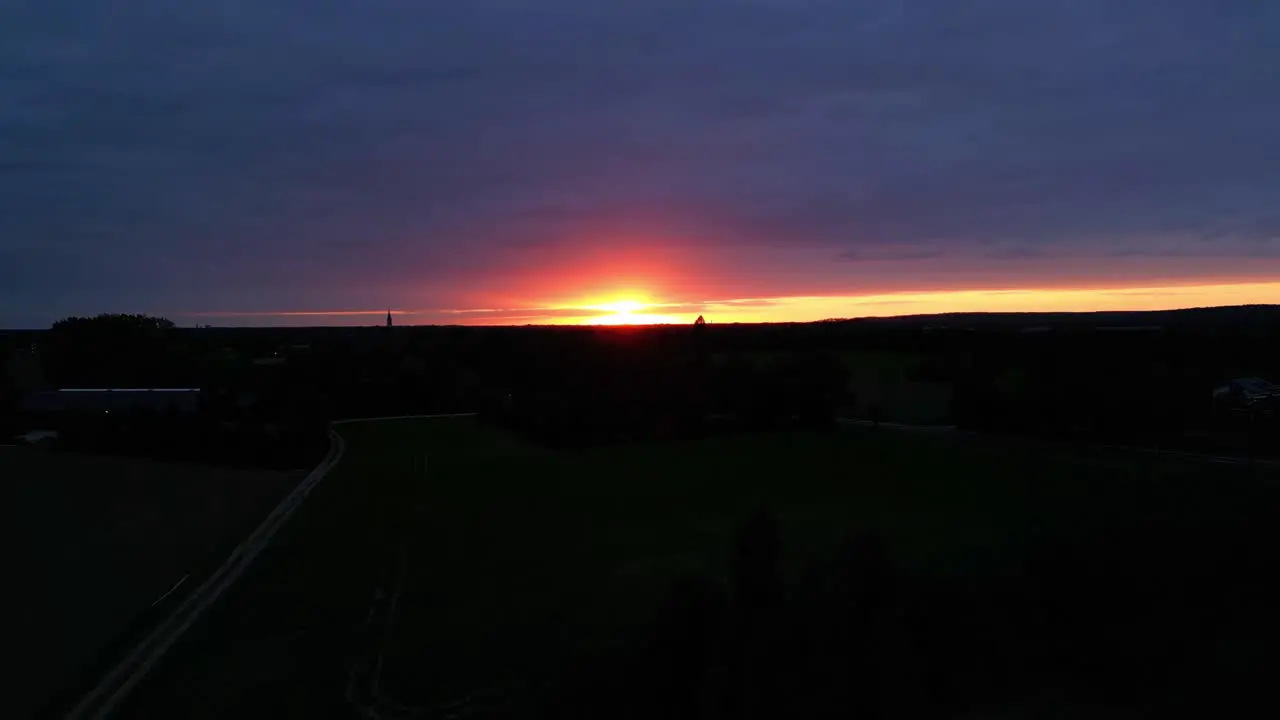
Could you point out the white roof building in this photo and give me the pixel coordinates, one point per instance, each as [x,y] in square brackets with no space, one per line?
[1247,391]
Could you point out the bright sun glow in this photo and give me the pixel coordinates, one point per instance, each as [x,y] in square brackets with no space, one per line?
[633,319]
[621,307]
[639,309]
[626,312]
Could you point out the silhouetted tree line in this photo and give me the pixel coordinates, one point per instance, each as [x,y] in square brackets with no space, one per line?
[804,388]
[566,385]
[600,386]
[168,435]
[1153,389]
[630,383]
[116,350]
[246,415]
[1148,614]
[10,406]
[266,395]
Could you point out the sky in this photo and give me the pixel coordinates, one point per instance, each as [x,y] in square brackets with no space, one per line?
[273,162]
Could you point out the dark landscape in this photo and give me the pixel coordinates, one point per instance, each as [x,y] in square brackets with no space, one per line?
[671,521]
[99,539]
[640,360]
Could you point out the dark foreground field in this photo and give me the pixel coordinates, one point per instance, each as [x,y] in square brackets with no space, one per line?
[96,541]
[446,564]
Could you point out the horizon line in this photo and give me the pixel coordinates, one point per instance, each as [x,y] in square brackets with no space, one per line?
[683,324]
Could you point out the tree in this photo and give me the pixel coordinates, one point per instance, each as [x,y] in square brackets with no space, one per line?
[111,350]
[124,323]
[10,403]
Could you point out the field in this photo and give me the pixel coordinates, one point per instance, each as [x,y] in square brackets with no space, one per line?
[881,380]
[98,540]
[444,559]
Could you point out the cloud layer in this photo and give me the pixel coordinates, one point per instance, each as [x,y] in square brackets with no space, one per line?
[244,156]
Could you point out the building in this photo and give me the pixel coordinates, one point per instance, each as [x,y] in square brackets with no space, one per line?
[106,400]
[1247,392]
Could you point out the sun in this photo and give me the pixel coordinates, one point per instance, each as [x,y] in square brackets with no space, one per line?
[627,312]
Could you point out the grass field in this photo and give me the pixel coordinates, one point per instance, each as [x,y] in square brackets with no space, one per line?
[98,540]
[525,559]
[496,565]
[880,379]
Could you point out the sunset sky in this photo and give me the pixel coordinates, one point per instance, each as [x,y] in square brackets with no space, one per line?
[261,162]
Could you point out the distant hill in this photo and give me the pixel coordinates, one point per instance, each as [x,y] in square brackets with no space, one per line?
[1230,317]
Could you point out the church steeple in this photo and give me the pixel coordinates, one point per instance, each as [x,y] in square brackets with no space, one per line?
[388,318]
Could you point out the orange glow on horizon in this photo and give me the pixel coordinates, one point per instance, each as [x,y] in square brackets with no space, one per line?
[633,319]
[635,308]
[811,308]
[625,312]
[621,307]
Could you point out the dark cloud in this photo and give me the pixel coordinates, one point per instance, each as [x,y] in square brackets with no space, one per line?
[1202,249]
[311,154]
[892,254]
[1016,252]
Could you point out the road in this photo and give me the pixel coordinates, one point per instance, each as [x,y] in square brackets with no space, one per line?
[285,625]
[121,679]
[97,541]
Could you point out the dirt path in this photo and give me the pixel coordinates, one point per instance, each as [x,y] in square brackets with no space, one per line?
[98,540]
